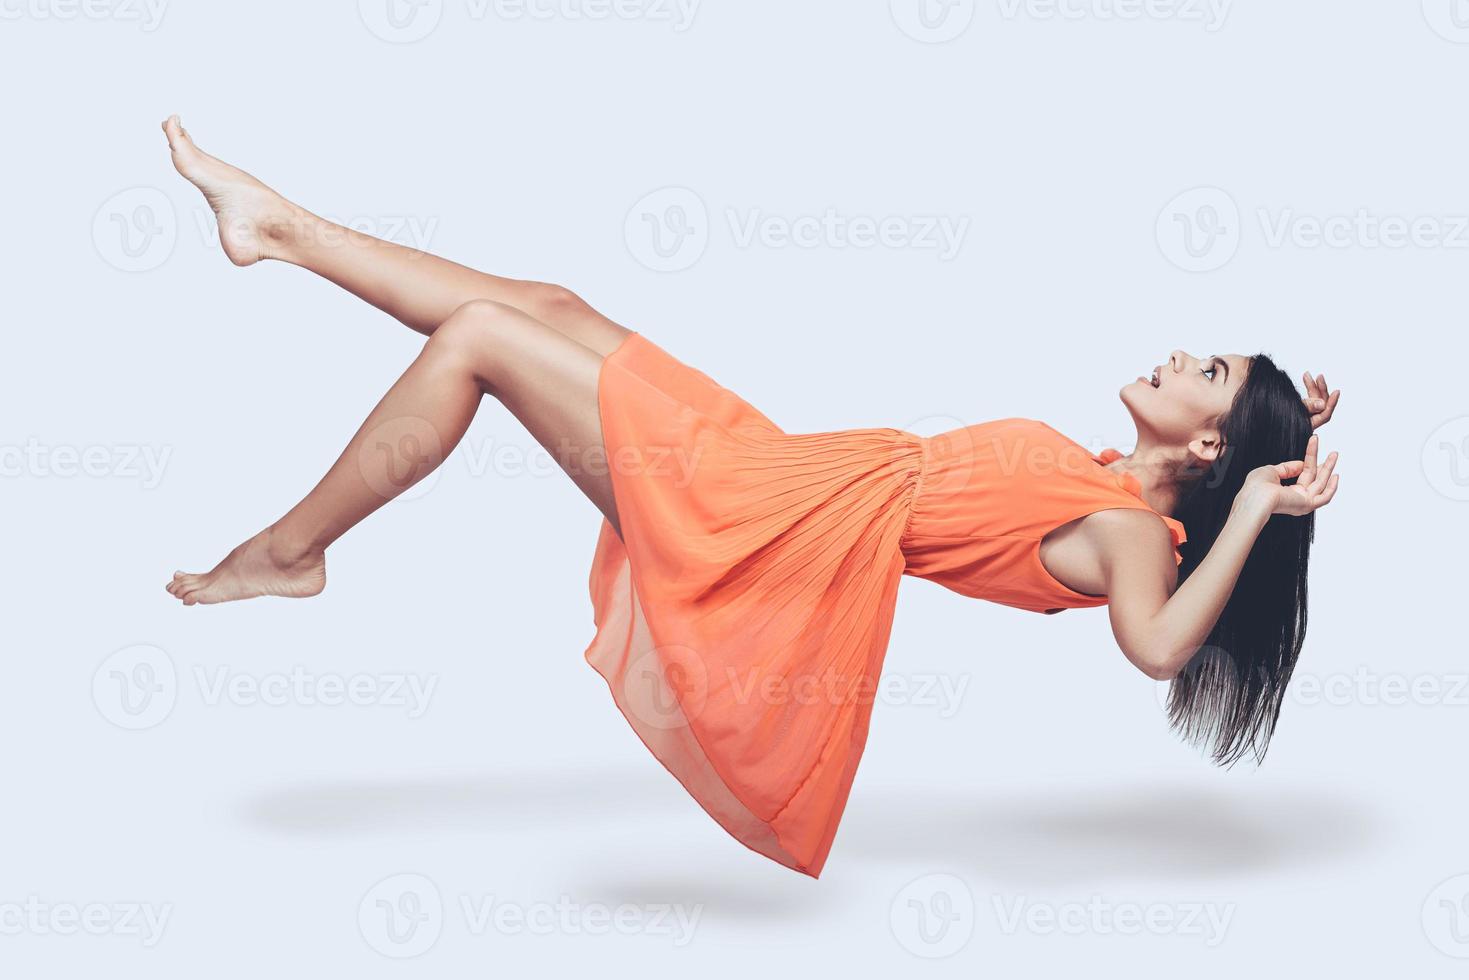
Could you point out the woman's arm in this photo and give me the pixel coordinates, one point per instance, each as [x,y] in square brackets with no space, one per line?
[1159,628]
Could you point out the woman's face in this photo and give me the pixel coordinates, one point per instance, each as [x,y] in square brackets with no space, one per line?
[1182,401]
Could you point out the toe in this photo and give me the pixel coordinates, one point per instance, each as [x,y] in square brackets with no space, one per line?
[179,140]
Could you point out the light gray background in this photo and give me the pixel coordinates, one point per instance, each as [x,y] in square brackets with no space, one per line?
[524,145]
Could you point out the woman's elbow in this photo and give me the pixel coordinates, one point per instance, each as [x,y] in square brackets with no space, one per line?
[1159,666]
[1158,670]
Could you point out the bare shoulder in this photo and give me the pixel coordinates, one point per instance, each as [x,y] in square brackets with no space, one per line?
[1130,537]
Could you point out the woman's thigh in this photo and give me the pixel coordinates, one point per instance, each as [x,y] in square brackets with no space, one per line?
[547,380]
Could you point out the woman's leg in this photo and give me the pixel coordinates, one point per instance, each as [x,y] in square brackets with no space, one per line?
[542,376]
[417,288]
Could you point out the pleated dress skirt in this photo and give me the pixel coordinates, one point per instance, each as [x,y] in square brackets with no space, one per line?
[743,614]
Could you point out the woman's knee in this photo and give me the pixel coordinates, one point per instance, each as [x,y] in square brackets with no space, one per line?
[549,302]
[478,332]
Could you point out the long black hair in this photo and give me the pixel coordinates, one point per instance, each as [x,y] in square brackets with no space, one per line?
[1229,695]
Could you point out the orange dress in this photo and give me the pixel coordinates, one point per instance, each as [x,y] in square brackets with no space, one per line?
[743,614]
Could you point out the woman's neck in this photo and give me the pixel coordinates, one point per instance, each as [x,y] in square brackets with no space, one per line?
[1156,471]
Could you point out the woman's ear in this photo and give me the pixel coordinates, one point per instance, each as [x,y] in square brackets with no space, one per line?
[1207,445]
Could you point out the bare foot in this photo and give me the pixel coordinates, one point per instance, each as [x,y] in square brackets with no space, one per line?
[254,221]
[260,566]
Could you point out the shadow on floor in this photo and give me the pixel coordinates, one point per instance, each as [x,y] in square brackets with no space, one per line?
[499,801]
[1033,836]
[1056,836]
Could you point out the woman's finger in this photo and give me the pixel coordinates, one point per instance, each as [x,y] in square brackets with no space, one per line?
[1331,405]
[1328,493]
[1324,474]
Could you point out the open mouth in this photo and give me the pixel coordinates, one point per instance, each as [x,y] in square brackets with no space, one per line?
[1154,380]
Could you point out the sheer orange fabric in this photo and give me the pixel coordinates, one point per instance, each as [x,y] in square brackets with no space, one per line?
[743,615]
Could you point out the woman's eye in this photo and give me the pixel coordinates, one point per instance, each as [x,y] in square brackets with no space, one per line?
[1209,372]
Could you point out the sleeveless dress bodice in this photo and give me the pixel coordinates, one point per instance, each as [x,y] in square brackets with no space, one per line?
[987,494]
[743,613]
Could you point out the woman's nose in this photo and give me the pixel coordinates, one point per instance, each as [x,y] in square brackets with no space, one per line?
[1176,360]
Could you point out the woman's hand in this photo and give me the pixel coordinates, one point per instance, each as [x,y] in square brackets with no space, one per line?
[1313,489]
[1320,401]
